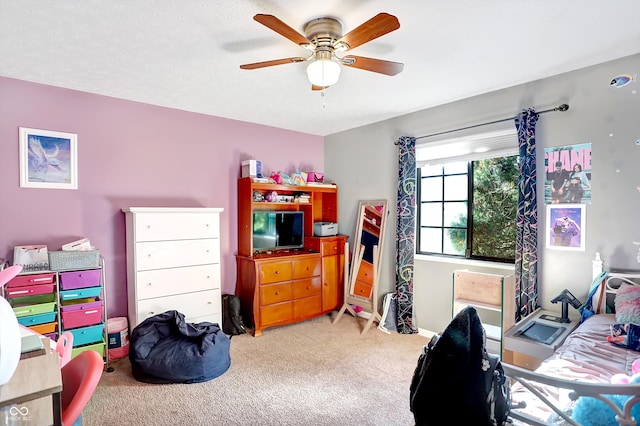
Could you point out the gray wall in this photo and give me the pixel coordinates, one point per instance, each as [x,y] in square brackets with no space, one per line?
[364,163]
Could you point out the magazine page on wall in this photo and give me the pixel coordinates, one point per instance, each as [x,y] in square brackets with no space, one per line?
[568,174]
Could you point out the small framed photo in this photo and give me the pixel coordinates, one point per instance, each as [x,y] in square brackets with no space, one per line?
[566,227]
[48,159]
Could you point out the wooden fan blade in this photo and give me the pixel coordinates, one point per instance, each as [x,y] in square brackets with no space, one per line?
[281,28]
[272,63]
[375,27]
[374,65]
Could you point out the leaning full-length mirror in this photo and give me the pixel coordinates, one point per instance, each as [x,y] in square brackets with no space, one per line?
[361,283]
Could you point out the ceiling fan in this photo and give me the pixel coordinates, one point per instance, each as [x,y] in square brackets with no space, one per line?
[324,38]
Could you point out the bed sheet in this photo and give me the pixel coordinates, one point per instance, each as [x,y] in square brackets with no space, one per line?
[585,356]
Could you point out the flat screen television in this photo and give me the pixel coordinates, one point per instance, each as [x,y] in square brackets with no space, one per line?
[278,230]
[541,333]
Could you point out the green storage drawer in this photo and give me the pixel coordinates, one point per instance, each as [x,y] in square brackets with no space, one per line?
[98,347]
[32,300]
[41,308]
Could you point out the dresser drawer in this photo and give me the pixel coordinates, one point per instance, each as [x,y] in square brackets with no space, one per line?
[307,287]
[166,282]
[79,279]
[307,307]
[306,268]
[275,293]
[328,248]
[31,279]
[192,305]
[276,313]
[173,254]
[176,226]
[365,272]
[362,289]
[274,272]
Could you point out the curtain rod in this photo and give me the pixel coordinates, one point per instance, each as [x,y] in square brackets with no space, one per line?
[561,108]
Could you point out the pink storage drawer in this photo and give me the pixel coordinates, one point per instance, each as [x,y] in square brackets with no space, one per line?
[81,314]
[31,279]
[31,290]
[80,279]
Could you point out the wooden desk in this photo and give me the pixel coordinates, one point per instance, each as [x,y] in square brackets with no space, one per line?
[35,391]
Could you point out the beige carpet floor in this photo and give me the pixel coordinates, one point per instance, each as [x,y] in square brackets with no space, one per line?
[310,373]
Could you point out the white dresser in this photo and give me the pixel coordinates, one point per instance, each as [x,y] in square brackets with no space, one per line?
[173,262]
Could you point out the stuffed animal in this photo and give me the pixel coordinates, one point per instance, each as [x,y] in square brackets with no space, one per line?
[590,411]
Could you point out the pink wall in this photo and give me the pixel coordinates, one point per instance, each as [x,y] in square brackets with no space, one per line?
[131,154]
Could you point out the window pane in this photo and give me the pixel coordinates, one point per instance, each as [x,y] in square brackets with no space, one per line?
[459,167]
[431,214]
[455,214]
[431,189]
[456,187]
[431,170]
[455,241]
[431,240]
[494,209]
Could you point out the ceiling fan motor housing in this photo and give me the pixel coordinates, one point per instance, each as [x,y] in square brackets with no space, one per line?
[322,32]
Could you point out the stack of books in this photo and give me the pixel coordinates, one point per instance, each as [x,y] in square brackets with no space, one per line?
[302,197]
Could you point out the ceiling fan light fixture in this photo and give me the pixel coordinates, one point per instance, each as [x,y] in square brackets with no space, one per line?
[323,72]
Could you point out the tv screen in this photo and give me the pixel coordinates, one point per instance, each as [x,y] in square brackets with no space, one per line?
[278,230]
[542,333]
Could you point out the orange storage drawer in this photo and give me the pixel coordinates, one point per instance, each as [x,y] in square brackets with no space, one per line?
[31,279]
[275,293]
[306,268]
[44,328]
[362,289]
[306,288]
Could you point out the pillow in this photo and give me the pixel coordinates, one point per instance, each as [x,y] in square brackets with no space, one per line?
[627,302]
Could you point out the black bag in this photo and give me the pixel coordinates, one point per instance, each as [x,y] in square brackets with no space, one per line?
[457,382]
[231,322]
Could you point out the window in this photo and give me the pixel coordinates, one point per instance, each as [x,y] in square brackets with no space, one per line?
[468,202]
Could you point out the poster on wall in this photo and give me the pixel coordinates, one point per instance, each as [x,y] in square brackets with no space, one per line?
[566,227]
[568,174]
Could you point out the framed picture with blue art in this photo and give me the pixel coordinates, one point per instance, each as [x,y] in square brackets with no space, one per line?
[566,227]
[48,159]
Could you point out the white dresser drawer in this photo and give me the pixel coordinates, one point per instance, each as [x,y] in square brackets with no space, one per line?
[176,226]
[173,254]
[165,282]
[192,305]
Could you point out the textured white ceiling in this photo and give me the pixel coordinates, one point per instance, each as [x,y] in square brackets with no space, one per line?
[185,54]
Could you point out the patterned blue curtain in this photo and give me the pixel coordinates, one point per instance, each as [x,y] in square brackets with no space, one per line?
[405,234]
[526,266]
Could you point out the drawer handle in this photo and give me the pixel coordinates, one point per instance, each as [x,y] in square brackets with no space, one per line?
[79,275]
[73,295]
[149,284]
[308,287]
[35,280]
[209,302]
[277,293]
[11,293]
[308,268]
[208,276]
[22,312]
[93,311]
[149,255]
[148,226]
[276,272]
[151,313]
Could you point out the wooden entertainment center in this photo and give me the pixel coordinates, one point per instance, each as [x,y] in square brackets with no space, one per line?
[278,287]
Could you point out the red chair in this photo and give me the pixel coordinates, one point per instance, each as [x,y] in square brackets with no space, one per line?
[64,345]
[80,378]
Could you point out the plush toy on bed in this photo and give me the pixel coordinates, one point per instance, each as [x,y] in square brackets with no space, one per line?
[590,411]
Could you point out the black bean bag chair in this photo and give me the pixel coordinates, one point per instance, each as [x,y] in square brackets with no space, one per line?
[165,348]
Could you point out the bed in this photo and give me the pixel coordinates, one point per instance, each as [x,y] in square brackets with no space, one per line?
[585,365]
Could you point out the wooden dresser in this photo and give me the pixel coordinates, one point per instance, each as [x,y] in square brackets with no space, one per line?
[277,290]
[173,263]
